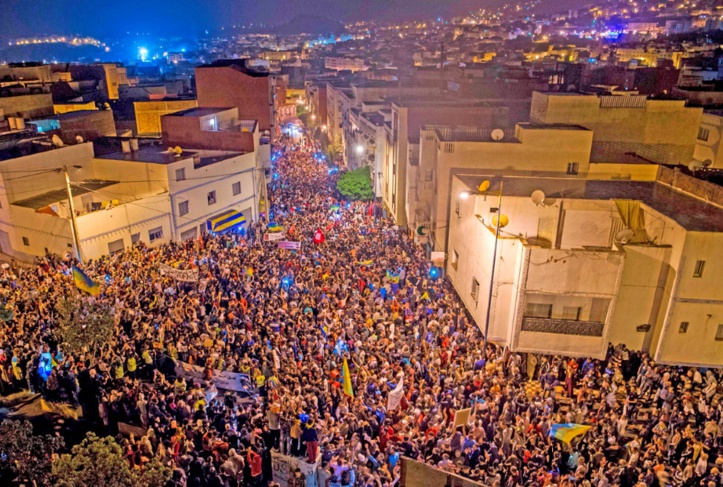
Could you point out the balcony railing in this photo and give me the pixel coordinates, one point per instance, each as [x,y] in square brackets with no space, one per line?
[563,327]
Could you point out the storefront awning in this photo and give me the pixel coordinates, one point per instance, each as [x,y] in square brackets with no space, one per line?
[226,221]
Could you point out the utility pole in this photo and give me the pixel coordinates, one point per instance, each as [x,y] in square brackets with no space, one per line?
[492,272]
[73,223]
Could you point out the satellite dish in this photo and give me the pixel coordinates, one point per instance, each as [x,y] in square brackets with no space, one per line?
[624,236]
[504,221]
[57,141]
[484,186]
[178,150]
[695,165]
[538,197]
[707,163]
[79,139]
[497,134]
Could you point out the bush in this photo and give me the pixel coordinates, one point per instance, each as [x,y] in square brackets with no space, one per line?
[356,185]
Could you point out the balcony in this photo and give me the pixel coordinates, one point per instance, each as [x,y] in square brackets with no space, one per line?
[563,326]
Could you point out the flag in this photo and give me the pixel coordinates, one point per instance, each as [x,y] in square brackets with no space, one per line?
[346,380]
[334,207]
[85,283]
[366,263]
[395,396]
[275,227]
[425,295]
[566,432]
[324,331]
[318,236]
[249,271]
[393,278]
[48,210]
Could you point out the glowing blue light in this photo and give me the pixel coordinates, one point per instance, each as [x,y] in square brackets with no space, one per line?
[276,175]
[434,273]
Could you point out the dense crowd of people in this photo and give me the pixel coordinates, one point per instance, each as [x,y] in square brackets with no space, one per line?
[359,290]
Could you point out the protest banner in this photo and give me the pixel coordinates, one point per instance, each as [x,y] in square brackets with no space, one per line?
[285,244]
[128,429]
[461,417]
[230,381]
[187,275]
[284,466]
[395,395]
[273,237]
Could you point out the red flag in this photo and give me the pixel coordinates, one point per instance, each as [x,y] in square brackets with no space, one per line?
[318,236]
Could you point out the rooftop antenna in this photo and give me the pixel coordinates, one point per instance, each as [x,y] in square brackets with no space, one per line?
[57,141]
[497,135]
[538,197]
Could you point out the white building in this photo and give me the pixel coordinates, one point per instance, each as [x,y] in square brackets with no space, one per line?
[147,195]
[569,279]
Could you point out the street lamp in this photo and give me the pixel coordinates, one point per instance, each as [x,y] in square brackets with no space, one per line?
[359,149]
[498,224]
[313,117]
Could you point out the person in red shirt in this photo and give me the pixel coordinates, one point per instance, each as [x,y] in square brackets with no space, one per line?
[254,461]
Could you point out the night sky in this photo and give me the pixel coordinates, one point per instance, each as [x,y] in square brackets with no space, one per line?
[103,18]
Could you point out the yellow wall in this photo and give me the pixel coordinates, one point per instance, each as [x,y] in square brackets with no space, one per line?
[74,107]
[635,172]
[149,113]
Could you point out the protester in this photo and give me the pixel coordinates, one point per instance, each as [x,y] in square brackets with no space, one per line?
[359,297]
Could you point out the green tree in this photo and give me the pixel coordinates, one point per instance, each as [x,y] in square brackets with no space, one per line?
[335,151]
[92,463]
[356,185]
[26,456]
[99,462]
[154,474]
[84,324]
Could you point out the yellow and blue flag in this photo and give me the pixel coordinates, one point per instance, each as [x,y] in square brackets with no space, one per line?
[366,263]
[393,278]
[346,380]
[566,432]
[85,283]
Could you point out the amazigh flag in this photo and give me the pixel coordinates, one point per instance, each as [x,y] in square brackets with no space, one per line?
[566,432]
[85,283]
[394,278]
[366,263]
[346,380]
[334,207]
[396,395]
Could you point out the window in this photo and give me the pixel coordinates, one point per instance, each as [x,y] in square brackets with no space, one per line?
[236,188]
[703,134]
[699,266]
[135,238]
[538,310]
[571,313]
[572,167]
[115,247]
[211,198]
[683,327]
[189,234]
[155,234]
[183,208]
[719,333]
[475,290]
[181,174]
[455,259]
[26,241]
